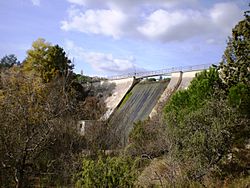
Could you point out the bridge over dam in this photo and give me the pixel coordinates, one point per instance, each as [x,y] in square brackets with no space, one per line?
[133,98]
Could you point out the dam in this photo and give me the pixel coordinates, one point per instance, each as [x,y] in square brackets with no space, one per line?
[136,106]
[131,98]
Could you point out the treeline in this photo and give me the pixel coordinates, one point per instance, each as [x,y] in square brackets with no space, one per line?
[41,101]
[201,137]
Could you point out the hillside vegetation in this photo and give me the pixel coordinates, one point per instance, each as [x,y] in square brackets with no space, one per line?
[201,137]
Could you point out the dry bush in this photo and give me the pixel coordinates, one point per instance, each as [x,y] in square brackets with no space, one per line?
[165,172]
[148,138]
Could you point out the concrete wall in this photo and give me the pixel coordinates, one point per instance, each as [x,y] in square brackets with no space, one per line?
[187,77]
[173,85]
[120,90]
[84,126]
[113,92]
[178,81]
[146,100]
[142,99]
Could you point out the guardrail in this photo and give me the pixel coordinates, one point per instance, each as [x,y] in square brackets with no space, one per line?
[161,72]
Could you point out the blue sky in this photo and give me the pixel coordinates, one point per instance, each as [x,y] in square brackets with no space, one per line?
[118,36]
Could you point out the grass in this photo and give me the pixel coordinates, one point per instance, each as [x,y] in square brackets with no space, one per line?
[126,98]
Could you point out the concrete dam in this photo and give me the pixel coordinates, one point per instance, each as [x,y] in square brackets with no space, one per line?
[144,100]
[132,99]
[137,105]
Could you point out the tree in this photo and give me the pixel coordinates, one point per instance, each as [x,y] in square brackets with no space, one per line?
[8,61]
[205,125]
[202,88]
[108,172]
[148,138]
[235,65]
[239,98]
[47,61]
[40,105]
[32,116]
[206,136]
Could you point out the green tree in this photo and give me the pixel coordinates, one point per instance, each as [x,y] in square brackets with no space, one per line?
[205,124]
[206,136]
[202,88]
[47,61]
[235,65]
[8,61]
[107,172]
[239,98]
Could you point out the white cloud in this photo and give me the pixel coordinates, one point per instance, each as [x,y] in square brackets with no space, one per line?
[225,15]
[36,2]
[106,62]
[184,24]
[164,21]
[102,62]
[106,22]
[176,25]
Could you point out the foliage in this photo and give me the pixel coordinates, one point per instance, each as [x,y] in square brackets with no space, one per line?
[8,61]
[205,125]
[38,133]
[162,172]
[107,172]
[128,95]
[83,79]
[148,138]
[151,80]
[47,61]
[40,103]
[206,136]
[202,88]
[241,182]
[98,137]
[239,97]
[235,65]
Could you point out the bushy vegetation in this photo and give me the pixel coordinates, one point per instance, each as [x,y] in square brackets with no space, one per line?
[205,128]
[148,139]
[108,172]
[199,139]
[40,104]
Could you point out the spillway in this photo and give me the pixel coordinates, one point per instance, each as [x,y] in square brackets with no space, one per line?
[176,79]
[137,105]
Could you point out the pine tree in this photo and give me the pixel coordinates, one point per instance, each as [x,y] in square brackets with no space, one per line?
[235,65]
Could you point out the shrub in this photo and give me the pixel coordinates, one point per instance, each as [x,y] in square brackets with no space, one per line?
[148,138]
[206,128]
[239,97]
[107,172]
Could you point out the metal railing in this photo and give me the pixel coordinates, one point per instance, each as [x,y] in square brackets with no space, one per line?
[161,72]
